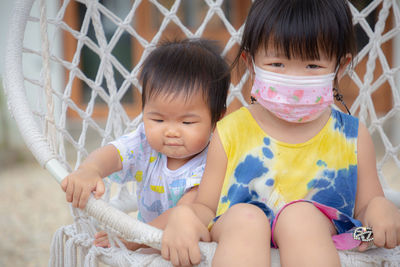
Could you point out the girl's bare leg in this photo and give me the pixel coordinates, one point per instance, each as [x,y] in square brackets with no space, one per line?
[243,235]
[304,237]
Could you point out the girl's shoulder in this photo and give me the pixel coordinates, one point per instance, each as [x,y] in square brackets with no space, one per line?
[239,120]
[239,115]
[338,114]
[345,122]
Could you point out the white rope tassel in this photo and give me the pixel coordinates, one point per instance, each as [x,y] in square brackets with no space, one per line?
[70,252]
[91,257]
[57,249]
[50,130]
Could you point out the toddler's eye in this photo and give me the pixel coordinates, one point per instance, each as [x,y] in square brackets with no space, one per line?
[188,122]
[157,120]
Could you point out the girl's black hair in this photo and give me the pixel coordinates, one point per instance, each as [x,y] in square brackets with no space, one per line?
[300,29]
[185,67]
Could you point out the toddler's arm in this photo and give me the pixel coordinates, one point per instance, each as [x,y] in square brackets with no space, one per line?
[372,208]
[89,176]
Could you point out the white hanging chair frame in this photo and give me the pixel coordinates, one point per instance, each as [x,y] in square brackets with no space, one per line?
[40,144]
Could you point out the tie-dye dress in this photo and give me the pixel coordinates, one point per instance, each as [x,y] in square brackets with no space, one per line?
[272,174]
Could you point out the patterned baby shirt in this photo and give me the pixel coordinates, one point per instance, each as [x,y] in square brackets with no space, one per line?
[157,187]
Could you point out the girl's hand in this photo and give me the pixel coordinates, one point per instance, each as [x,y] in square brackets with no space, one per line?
[101,240]
[79,184]
[384,219]
[181,236]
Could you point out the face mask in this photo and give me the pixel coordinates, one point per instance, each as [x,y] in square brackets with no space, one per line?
[293,98]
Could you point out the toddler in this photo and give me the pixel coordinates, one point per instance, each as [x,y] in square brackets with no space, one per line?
[185,85]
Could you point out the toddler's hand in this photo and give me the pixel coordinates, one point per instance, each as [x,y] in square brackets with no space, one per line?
[181,236]
[79,184]
[101,240]
[384,219]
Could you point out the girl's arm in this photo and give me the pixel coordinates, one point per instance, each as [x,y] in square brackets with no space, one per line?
[101,238]
[371,207]
[187,224]
[368,185]
[89,176]
[206,203]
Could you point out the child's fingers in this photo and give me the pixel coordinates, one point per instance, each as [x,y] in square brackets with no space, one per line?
[100,234]
[379,237]
[195,255]
[98,240]
[102,242]
[101,239]
[364,246]
[99,189]
[84,198]
[64,184]
[398,237]
[165,252]
[123,241]
[69,192]
[391,239]
[174,257]
[184,259]
[205,235]
[76,197]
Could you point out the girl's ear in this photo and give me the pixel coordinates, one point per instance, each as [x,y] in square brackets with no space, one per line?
[247,61]
[344,62]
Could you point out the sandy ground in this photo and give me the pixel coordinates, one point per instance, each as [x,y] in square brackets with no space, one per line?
[32,208]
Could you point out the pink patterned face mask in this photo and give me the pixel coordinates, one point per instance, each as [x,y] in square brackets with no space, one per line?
[293,98]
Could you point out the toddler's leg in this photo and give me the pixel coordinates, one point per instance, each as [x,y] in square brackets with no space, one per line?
[304,237]
[243,235]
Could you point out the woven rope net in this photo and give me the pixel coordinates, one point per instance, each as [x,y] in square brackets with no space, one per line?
[76,88]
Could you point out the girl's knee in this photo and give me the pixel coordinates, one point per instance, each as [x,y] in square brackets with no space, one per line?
[242,219]
[248,214]
[303,230]
[303,218]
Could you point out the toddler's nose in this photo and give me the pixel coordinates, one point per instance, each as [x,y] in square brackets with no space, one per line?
[172,132]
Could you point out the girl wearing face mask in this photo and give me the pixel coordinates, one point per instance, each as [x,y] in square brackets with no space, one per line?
[288,171]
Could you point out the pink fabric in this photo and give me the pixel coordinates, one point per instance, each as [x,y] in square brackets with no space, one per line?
[344,241]
[293,98]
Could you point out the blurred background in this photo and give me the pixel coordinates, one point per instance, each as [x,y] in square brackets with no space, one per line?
[32,205]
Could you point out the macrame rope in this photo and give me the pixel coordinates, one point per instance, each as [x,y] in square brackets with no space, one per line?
[50,130]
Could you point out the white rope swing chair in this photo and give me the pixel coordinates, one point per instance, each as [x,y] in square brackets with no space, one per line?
[42,109]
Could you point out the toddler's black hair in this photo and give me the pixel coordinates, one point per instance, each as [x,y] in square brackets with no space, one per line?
[300,29]
[184,67]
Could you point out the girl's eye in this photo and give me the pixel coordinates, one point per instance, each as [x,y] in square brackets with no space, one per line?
[188,122]
[277,65]
[313,66]
[157,120]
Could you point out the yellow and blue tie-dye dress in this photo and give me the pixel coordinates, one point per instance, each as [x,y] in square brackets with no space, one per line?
[272,174]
